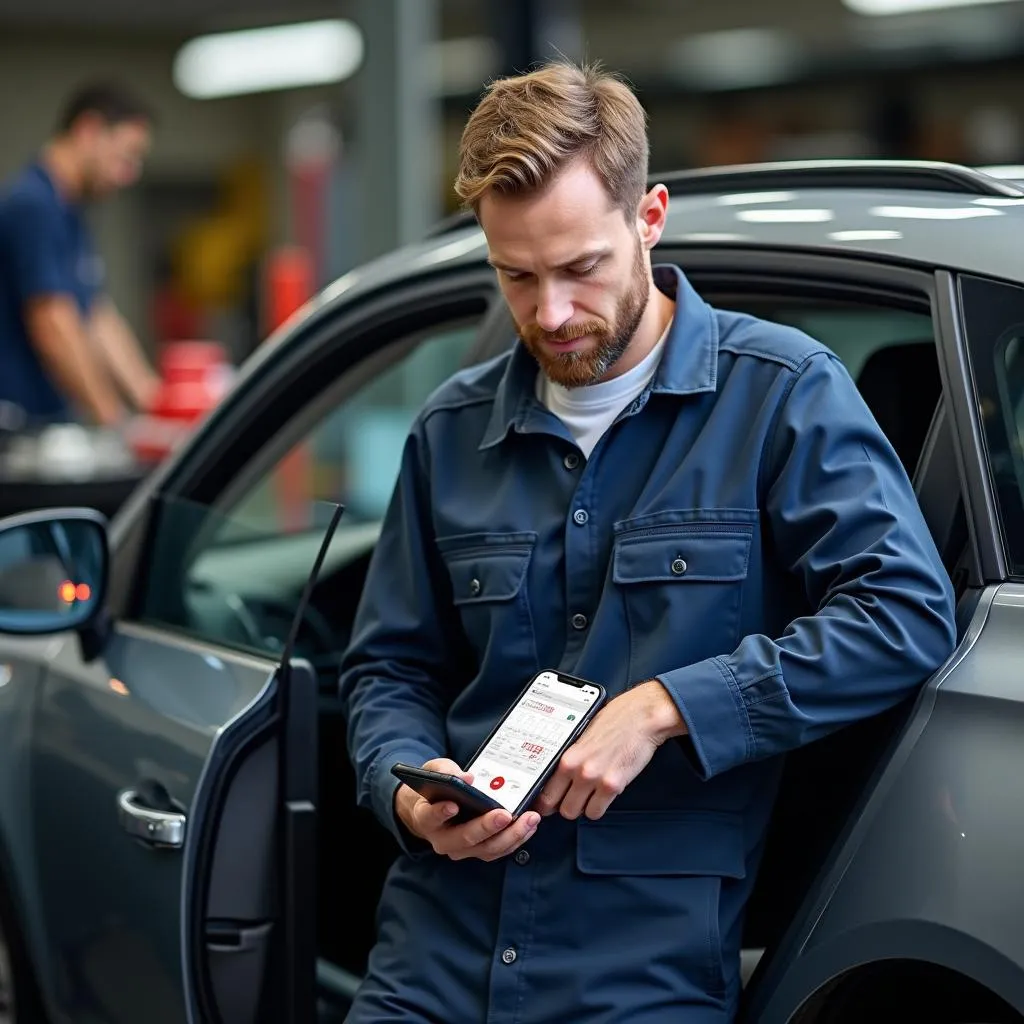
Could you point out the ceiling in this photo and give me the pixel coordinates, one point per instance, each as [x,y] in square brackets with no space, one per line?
[176,15]
[681,43]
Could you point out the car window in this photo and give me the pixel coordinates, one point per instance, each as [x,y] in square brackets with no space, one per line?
[232,573]
[890,353]
[993,314]
[353,454]
[857,334]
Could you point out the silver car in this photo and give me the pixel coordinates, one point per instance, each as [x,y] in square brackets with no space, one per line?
[179,839]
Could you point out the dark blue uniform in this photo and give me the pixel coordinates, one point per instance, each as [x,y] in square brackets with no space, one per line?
[45,249]
[743,532]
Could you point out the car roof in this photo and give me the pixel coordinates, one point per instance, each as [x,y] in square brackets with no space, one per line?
[938,215]
[926,213]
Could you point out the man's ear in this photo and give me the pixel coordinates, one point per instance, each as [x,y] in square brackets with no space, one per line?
[651,215]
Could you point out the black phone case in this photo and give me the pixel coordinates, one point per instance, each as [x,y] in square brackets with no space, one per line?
[437,786]
[584,722]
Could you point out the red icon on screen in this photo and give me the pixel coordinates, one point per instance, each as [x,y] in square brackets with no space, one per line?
[497,782]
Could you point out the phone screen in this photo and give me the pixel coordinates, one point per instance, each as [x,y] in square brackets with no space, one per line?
[530,738]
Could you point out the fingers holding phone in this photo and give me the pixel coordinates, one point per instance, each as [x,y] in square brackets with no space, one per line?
[421,816]
[495,817]
[490,837]
[430,815]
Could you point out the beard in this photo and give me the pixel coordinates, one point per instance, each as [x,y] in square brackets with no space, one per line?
[612,338]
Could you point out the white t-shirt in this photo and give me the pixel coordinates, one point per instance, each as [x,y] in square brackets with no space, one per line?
[589,411]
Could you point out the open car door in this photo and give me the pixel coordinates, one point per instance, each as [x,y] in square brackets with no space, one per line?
[249,878]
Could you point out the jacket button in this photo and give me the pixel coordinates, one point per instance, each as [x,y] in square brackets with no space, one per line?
[580,517]
[679,567]
[579,621]
[509,956]
[522,857]
[474,587]
[571,461]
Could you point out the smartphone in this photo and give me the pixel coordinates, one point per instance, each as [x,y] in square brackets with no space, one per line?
[521,752]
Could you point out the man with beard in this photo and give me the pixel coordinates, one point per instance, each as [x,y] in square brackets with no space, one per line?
[64,349]
[692,507]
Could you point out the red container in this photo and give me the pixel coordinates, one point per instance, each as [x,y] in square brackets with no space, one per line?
[195,377]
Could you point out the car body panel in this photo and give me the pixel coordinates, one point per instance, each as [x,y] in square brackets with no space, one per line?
[928,869]
[936,229]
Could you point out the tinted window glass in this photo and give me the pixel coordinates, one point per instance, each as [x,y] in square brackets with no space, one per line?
[994,324]
[890,353]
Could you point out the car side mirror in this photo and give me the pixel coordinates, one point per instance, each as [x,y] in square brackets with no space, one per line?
[53,571]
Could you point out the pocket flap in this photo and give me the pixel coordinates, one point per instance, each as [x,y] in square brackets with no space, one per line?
[697,553]
[662,843]
[491,571]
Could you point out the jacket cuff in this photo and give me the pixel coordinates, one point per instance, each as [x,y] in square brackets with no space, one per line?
[382,785]
[708,698]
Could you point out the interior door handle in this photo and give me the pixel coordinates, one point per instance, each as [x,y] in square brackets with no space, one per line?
[156,828]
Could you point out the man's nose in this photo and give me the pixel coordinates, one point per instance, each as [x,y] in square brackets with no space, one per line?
[554,307]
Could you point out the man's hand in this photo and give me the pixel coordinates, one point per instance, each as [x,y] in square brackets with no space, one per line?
[611,753]
[489,837]
[123,354]
[58,336]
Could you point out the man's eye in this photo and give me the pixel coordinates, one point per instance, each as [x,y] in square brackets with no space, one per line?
[584,271]
[513,275]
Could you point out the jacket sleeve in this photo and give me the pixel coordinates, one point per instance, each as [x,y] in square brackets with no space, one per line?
[844,518]
[398,669]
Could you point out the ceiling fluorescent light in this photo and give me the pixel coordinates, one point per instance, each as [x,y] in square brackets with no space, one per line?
[879,8]
[265,59]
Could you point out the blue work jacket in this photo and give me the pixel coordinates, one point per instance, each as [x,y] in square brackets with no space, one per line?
[745,534]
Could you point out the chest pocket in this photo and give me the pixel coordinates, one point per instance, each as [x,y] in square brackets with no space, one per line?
[682,583]
[488,573]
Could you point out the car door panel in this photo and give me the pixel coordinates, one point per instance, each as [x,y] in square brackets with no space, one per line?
[144,715]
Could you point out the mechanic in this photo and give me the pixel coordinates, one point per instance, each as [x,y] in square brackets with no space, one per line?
[694,508]
[66,351]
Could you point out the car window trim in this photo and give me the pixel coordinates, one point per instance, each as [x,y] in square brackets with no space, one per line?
[349,332]
[317,409]
[983,520]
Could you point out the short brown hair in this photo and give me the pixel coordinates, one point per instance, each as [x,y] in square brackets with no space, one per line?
[114,102]
[528,128]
